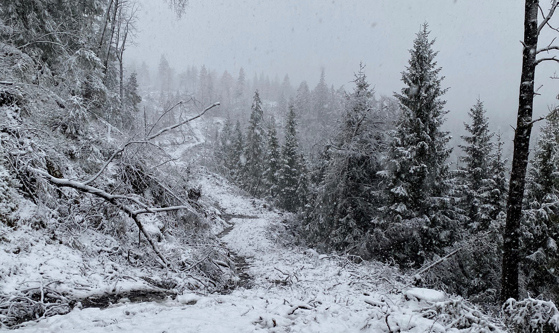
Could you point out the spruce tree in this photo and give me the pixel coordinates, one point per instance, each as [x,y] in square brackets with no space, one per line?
[131,96]
[540,222]
[475,171]
[272,160]
[303,182]
[290,168]
[223,149]
[254,150]
[237,156]
[345,202]
[500,184]
[417,173]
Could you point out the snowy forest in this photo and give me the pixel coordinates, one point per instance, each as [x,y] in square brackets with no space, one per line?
[183,197]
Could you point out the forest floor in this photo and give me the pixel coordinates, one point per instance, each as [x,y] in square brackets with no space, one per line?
[281,287]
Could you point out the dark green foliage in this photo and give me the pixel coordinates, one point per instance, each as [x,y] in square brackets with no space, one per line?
[224,148]
[499,182]
[131,95]
[131,102]
[475,169]
[540,223]
[418,213]
[345,202]
[272,160]
[254,150]
[291,168]
[237,154]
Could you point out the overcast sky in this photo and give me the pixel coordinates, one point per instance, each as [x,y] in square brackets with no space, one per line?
[478,41]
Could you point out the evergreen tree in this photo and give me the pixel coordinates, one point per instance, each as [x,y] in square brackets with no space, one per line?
[132,96]
[254,150]
[498,173]
[345,201]
[475,171]
[540,223]
[272,160]
[303,182]
[131,102]
[224,148]
[238,159]
[290,168]
[417,173]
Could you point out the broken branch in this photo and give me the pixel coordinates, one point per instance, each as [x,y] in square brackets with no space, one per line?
[113,199]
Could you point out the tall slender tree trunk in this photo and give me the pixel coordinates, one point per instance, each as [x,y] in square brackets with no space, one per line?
[520,158]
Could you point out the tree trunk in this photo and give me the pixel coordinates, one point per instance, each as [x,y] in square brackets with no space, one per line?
[520,158]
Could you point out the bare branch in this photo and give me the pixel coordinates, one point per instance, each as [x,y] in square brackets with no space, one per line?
[539,61]
[110,160]
[167,129]
[114,199]
[535,121]
[163,115]
[546,19]
[549,47]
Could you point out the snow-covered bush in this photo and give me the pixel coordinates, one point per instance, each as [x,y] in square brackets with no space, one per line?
[7,200]
[459,314]
[474,271]
[531,315]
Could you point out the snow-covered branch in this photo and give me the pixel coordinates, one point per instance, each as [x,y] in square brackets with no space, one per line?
[113,156]
[115,200]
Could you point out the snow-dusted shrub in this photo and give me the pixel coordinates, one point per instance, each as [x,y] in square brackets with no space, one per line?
[531,315]
[457,313]
[7,200]
[72,120]
[473,272]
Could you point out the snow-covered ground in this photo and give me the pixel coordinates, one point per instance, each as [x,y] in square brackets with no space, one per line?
[293,290]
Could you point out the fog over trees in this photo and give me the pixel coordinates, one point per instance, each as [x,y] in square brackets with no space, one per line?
[337,179]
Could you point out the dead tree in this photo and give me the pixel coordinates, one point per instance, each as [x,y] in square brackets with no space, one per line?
[511,255]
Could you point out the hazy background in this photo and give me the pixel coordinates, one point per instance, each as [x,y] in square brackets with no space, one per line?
[478,41]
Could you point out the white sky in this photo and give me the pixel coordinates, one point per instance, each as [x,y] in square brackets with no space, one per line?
[478,40]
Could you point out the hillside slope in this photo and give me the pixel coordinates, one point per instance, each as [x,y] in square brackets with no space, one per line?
[291,289]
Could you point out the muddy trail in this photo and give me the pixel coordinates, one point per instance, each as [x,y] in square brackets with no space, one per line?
[241,264]
[134,296]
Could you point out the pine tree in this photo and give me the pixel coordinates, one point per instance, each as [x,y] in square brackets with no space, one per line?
[254,150]
[475,171]
[272,160]
[417,173]
[540,223]
[345,202]
[290,168]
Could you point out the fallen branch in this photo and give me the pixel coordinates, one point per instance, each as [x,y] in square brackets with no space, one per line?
[300,306]
[423,270]
[146,141]
[114,199]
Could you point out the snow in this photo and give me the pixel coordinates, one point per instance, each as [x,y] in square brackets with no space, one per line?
[428,295]
[294,289]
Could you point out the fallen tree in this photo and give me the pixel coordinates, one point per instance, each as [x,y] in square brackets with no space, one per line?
[132,206]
